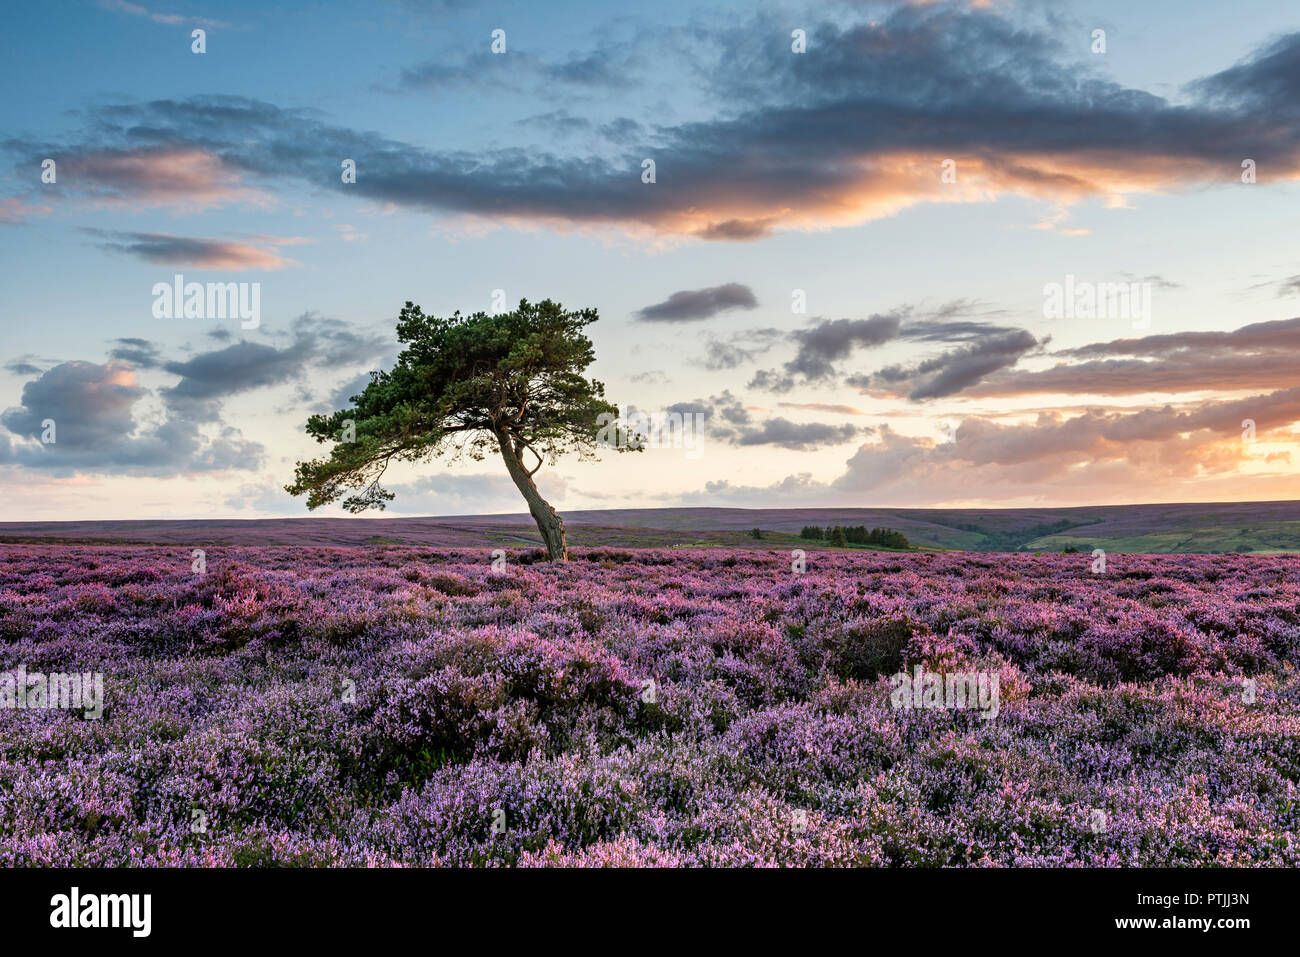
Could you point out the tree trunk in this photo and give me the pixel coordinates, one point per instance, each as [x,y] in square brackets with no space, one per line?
[548,520]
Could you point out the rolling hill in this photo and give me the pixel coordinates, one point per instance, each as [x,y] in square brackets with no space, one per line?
[1263,527]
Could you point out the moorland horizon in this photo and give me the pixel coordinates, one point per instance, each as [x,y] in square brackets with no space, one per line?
[1186,527]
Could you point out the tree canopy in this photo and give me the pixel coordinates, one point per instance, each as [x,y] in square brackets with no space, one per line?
[462,387]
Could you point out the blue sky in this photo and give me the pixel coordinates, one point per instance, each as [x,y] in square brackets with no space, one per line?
[923,372]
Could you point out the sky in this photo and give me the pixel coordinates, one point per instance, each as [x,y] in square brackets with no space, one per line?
[981,254]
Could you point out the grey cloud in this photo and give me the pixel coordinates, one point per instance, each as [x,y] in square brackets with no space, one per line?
[921,80]
[610,67]
[242,366]
[769,380]
[717,409]
[90,404]
[139,352]
[168,250]
[953,371]
[1289,286]
[724,355]
[96,429]
[692,304]
[728,420]
[229,371]
[830,341]
[1261,355]
[798,436]
[561,122]
[825,342]
[23,365]
[650,377]
[821,407]
[738,349]
[739,229]
[1275,334]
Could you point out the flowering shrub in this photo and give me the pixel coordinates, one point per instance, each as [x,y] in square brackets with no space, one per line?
[410,706]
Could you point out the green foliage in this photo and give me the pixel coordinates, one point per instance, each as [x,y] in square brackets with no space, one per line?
[463,386]
[857,535]
[1011,540]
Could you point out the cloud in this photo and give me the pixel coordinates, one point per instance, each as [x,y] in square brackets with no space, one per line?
[825,342]
[723,410]
[268,498]
[1262,355]
[692,304]
[25,365]
[1258,336]
[951,372]
[168,19]
[607,68]
[738,229]
[938,328]
[559,122]
[341,396]
[1090,457]
[1159,282]
[984,348]
[1180,442]
[224,372]
[349,234]
[1268,78]
[797,436]
[729,420]
[140,353]
[242,366]
[91,404]
[821,407]
[174,175]
[791,489]
[650,377]
[1093,457]
[725,355]
[854,132]
[738,349]
[14,211]
[770,380]
[1287,287]
[93,408]
[167,250]
[836,339]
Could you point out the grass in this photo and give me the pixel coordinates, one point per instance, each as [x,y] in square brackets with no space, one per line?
[1274,538]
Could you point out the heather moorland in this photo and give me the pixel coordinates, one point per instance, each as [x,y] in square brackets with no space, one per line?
[429,706]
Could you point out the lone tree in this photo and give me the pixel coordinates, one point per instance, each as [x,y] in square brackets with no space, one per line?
[462,386]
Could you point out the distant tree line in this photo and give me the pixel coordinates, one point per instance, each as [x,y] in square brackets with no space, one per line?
[1014,540]
[855,535]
